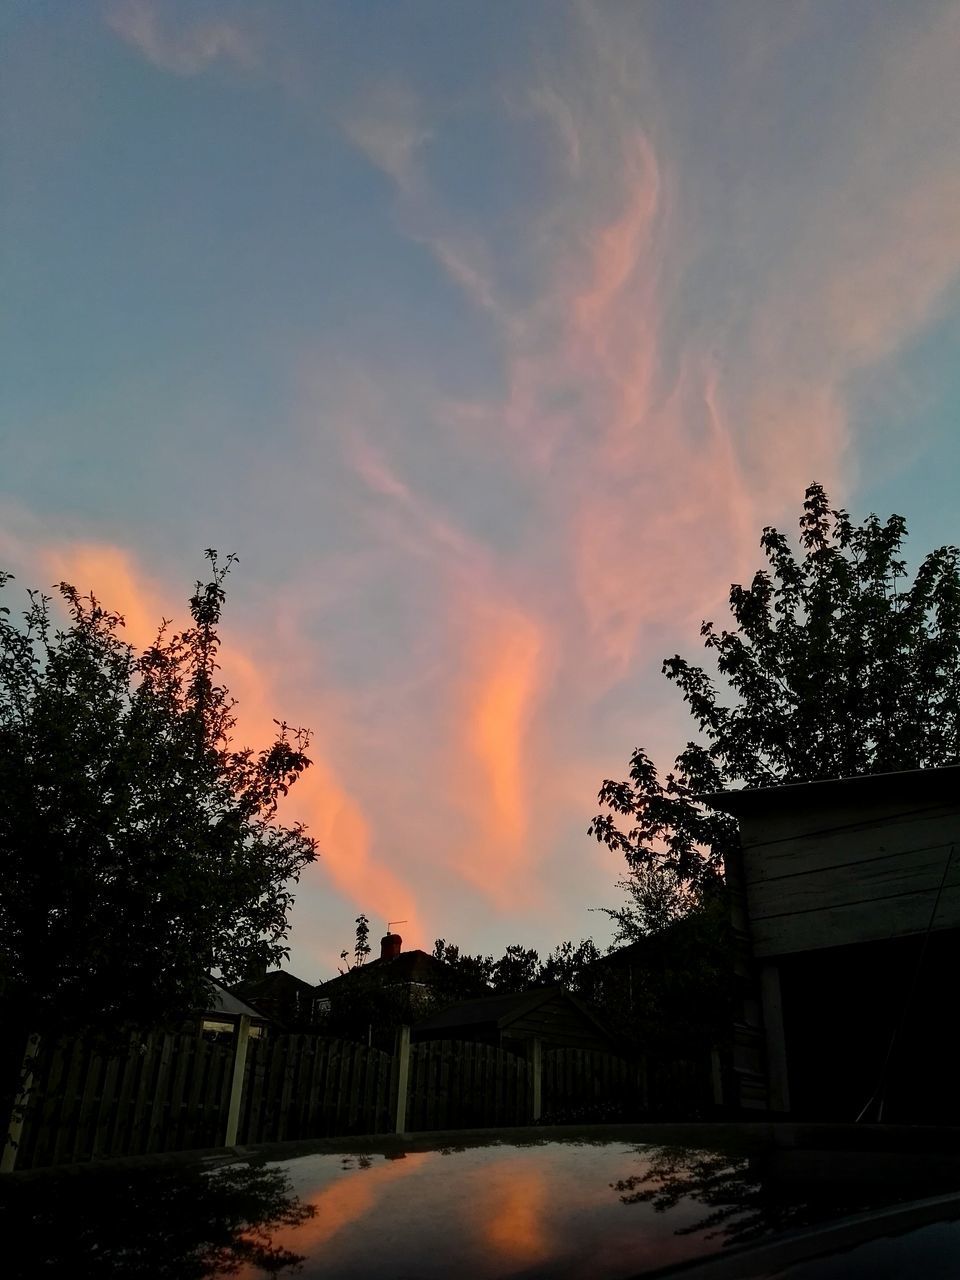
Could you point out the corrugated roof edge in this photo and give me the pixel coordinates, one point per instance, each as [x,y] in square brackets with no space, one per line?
[909,782]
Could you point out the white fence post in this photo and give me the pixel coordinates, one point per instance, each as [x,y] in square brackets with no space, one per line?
[236,1086]
[403,1072]
[24,1088]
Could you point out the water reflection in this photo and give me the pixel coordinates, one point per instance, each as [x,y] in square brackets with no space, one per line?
[179,1221]
[773,1189]
[524,1207]
[537,1208]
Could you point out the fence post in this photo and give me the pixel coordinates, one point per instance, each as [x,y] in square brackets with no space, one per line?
[19,1112]
[643,1080]
[536,1062]
[716,1077]
[403,1071]
[236,1086]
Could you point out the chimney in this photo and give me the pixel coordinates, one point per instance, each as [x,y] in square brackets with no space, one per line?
[390,945]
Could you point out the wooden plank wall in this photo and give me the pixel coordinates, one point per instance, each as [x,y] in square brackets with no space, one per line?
[840,875]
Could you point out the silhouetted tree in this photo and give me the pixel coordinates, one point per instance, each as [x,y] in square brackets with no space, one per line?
[567,965]
[139,848]
[521,969]
[835,666]
[361,947]
[518,969]
[478,968]
[655,900]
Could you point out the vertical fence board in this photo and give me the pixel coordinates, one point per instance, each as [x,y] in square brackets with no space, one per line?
[161,1102]
[105,1120]
[66,1110]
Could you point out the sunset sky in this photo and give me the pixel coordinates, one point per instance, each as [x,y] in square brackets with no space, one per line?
[488,334]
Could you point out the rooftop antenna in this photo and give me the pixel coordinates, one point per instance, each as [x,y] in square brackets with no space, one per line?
[391,923]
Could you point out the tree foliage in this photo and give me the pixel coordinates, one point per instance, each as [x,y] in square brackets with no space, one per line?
[521,969]
[361,945]
[139,848]
[836,665]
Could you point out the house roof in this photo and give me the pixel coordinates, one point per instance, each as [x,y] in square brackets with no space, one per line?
[408,966]
[502,1010]
[944,780]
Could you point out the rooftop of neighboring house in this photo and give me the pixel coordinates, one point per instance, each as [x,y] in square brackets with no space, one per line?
[394,967]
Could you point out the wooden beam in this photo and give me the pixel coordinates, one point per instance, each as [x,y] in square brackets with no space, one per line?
[236,1085]
[772,1006]
[403,1072]
[536,1063]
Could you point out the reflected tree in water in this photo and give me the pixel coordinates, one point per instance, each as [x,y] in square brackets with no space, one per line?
[745,1203]
[175,1222]
[764,1191]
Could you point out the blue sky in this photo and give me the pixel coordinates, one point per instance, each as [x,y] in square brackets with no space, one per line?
[489,336]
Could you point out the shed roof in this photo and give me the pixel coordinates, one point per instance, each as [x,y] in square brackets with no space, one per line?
[276,983]
[943,780]
[225,1002]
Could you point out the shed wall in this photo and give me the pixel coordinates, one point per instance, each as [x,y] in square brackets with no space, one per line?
[833,876]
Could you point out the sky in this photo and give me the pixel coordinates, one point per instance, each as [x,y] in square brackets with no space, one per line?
[488,335]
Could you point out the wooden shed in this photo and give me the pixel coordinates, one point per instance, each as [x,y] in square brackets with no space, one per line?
[551,1014]
[848,894]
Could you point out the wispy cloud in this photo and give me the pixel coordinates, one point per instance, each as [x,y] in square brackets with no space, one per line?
[386,125]
[184,46]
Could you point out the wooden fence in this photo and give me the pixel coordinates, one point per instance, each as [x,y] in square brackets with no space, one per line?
[178,1092]
[167,1093]
[303,1086]
[457,1084]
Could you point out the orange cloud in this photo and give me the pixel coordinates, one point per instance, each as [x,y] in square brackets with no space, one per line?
[507,672]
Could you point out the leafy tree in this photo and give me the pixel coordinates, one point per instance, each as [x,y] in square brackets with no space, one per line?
[139,848]
[836,666]
[361,947]
[478,968]
[518,969]
[568,966]
[654,901]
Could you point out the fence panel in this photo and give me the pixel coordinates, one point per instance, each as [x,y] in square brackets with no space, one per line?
[457,1084]
[588,1085]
